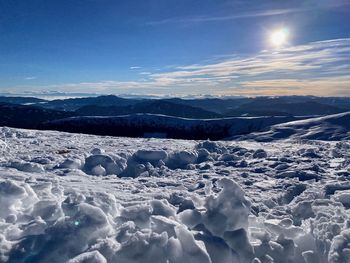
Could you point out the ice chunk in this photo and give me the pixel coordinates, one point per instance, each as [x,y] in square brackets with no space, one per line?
[343,197]
[340,248]
[151,156]
[11,219]
[88,257]
[140,214]
[98,170]
[97,151]
[310,257]
[71,164]
[260,153]
[10,189]
[190,217]
[162,207]
[239,242]
[192,251]
[34,227]
[27,167]
[145,246]
[212,147]
[228,211]
[5,248]
[162,224]
[49,210]
[106,162]
[11,195]
[180,159]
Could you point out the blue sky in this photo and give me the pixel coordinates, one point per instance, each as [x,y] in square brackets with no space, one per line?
[168,47]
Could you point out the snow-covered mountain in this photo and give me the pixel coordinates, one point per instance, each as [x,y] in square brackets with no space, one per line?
[331,127]
[82,198]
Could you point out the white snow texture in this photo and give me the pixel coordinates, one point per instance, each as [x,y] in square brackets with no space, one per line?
[79,198]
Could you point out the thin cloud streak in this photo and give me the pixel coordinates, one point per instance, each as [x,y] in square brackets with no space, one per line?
[30,78]
[203,19]
[252,14]
[333,86]
[314,58]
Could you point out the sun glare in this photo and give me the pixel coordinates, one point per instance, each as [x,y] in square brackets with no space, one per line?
[279,37]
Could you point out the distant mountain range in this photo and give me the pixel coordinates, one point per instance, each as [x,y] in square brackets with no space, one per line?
[213,107]
[76,103]
[283,107]
[29,112]
[164,107]
[21,100]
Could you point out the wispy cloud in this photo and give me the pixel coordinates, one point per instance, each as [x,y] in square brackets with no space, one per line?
[30,78]
[318,60]
[203,19]
[317,68]
[135,67]
[331,86]
[262,12]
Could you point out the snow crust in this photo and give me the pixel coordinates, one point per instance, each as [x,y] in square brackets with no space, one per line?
[80,198]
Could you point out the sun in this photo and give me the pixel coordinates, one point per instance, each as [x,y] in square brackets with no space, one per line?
[279,37]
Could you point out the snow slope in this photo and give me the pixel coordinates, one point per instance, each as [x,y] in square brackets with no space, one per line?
[82,198]
[330,128]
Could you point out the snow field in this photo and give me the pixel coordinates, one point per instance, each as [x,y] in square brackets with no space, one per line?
[79,198]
